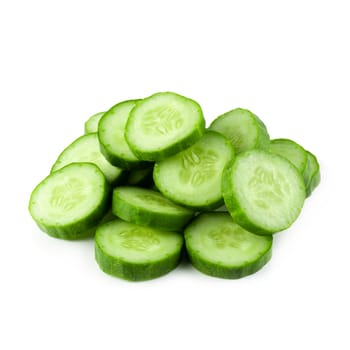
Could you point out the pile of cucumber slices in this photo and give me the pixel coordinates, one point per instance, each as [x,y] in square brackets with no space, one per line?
[151,183]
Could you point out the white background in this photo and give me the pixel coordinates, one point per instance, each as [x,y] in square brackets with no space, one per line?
[62,61]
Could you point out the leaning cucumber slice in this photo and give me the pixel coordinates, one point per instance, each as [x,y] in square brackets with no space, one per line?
[243,128]
[70,201]
[91,125]
[162,125]
[291,150]
[219,247]
[263,192]
[134,252]
[193,177]
[149,208]
[111,136]
[314,175]
[87,149]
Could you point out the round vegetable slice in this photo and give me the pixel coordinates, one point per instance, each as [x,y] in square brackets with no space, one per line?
[218,247]
[111,136]
[243,128]
[291,150]
[162,125]
[91,125]
[134,252]
[149,208]
[70,201]
[263,192]
[87,149]
[193,177]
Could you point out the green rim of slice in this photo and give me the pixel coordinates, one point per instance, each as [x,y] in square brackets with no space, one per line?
[70,202]
[87,149]
[136,253]
[149,208]
[192,177]
[218,247]
[162,125]
[313,177]
[111,131]
[290,150]
[263,192]
[243,128]
[91,125]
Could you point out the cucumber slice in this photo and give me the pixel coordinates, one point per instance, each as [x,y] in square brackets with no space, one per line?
[162,125]
[219,247]
[87,149]
[91,125]
[291,150]
[134,252]
[111,136]
[70,201]
[263,192]
[149,208]
[193,177]
[243,128]
[313,174]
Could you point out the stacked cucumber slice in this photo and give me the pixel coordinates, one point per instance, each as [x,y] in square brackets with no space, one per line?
[148,181]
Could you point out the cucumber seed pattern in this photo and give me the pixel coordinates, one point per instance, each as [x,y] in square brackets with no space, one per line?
[229,236]
[138,239]
[236,137]
[162,121]
[198,165]
[268,187]
[66,196]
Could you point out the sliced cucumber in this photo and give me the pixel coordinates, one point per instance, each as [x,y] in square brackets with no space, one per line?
[162,125]
[193,177]
[243,128]
[291,150]
[91,125]
[87,149]
[313,173]
[149,208]
[219,247]
[134,252]
[70,201]
[263,192]
[111,136]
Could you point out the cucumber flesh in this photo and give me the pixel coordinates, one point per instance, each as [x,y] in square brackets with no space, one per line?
[263,192]
[70,201]
[243,128]
[111,136]
[91,125]
[134,252]
[87,149]
[218,247]
[149,208]
[162,125]
[193,177]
